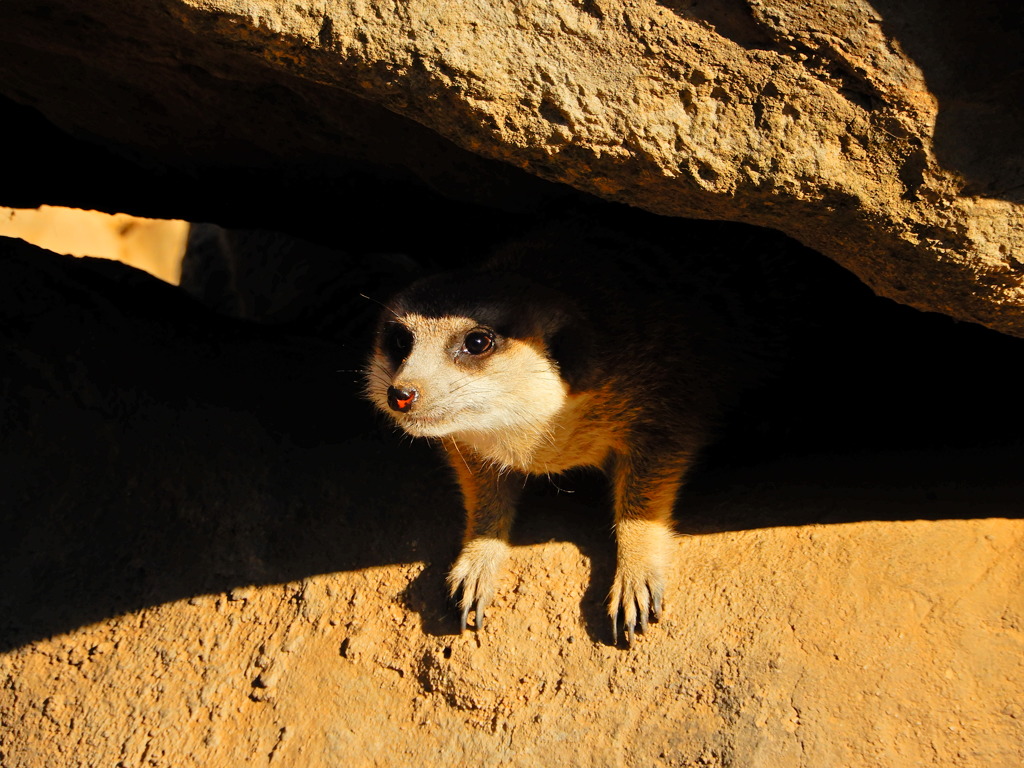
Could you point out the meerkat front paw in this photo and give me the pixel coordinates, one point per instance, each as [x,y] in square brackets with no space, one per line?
[474,578]
[639,576]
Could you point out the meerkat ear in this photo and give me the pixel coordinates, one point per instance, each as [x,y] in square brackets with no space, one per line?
[572,347]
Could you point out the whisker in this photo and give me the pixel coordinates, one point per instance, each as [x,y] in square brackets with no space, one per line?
[379,303]
[461,386]
[455,445]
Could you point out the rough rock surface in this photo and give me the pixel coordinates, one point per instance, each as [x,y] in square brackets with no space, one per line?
[882,134]
[211,557]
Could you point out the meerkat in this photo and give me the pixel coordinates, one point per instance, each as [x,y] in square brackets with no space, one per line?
[563,351]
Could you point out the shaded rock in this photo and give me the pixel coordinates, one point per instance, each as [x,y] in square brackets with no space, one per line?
[271,277]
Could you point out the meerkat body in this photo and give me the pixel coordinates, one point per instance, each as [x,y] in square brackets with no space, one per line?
[565,351]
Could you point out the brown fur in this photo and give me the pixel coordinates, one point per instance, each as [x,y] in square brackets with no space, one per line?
[605,355]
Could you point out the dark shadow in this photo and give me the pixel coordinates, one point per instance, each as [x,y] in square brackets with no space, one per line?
[151,450]
[732,19]
[972,58]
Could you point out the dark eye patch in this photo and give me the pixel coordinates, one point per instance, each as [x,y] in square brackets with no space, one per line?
[396,343]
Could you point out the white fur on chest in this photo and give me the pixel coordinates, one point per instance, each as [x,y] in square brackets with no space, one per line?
[571,437]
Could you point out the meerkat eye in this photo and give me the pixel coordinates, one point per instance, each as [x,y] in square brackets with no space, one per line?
[397,342]
[478,342]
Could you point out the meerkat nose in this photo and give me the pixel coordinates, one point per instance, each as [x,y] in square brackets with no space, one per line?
[401,398]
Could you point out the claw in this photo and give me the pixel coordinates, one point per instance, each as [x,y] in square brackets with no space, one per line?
[628,627]
[638,607]
[639,575]
[474,577]
[481,607]
[468,603]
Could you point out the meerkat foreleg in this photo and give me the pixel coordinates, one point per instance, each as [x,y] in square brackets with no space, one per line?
[489,496]
[645,489]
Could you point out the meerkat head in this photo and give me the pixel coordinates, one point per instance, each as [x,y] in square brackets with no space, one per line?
[473,354]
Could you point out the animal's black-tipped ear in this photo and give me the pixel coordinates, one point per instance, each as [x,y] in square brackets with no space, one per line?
[572,347]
